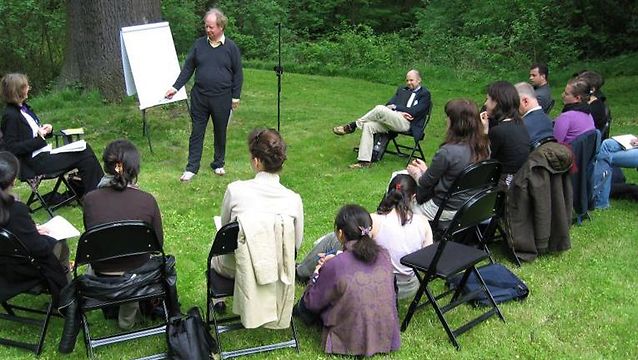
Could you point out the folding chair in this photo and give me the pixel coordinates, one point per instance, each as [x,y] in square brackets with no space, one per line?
[40,200]
[551,106]
[413,149]
[585,148]
[14,251]
[113,241]
[221,287]
[604,133]
[445,258]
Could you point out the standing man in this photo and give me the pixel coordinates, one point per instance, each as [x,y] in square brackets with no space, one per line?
[405,111]
[216,61]
[538,77]
[538,124]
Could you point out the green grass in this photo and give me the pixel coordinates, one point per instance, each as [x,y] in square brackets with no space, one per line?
[582,303]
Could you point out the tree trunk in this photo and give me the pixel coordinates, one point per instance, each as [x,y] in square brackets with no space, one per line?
[92,56]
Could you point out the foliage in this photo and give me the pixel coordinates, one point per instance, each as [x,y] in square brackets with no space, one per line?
[361,38]
[32,40]
[184,21]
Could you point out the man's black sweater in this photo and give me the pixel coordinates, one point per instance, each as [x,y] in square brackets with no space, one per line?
[218,71]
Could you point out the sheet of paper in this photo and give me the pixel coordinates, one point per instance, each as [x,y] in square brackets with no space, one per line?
[625,140]
[59,228]
[218,222]
[72,147]
[74,131]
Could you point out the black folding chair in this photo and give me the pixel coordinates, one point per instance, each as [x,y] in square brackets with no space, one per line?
[37,200]
[475,177]
[221,287]
[446,258]
[113,241]
[414,150]
[551,106]
[13,251]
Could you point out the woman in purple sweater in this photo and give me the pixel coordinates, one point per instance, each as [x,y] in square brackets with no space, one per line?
[353,293]
[575,118]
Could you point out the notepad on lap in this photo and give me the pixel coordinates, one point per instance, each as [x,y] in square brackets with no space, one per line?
[625,141]
[79,145]
[60,228]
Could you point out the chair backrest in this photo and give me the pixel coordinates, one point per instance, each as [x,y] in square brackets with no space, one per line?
[116,239]
[426,120]
[225,240]
[607,128]
[551,106]
[480,175]
[12,247]
[479,208]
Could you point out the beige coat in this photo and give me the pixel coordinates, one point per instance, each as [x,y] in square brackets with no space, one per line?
[264,291]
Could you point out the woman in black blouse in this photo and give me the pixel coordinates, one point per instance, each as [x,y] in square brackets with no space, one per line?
[24,136]
[509,139]
[53,255]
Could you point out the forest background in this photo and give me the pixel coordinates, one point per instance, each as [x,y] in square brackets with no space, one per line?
[367,39]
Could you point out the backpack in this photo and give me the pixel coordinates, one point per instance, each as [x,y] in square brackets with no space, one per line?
[501,282]
[189,338]
[381,141]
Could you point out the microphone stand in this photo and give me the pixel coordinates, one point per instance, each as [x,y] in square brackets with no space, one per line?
[279,70]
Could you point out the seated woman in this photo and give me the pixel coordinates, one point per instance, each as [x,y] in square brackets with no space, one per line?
[15,217]
[352,294]
[509,139]
[465,144]
[394,226]
[118,198]
[575,118]
[597,107]
[24,136]
[263,194]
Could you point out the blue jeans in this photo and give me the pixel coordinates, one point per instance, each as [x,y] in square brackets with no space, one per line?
[617,156]
[611,154]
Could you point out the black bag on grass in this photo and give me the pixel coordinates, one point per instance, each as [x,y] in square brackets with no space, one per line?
[381,141]
[502,283]
[188,337]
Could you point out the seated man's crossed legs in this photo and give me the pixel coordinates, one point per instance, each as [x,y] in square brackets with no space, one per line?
[380,119]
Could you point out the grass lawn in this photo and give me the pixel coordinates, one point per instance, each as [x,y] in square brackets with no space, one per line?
[582,303]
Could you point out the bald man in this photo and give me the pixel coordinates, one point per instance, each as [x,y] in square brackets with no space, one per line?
[404,112]
[538,124]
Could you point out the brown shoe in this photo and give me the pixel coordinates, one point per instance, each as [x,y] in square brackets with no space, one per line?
[343,129]
[360,165]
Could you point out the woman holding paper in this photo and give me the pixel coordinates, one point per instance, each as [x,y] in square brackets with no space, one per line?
[52,254]
[24,136]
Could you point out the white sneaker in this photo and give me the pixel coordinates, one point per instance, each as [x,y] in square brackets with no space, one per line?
[187,176]
[220,171]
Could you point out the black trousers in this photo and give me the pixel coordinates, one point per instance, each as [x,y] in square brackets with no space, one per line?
[203,107]
[85,161]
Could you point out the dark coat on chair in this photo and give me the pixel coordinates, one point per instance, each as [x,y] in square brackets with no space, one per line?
[585,148]
[420,107]
[539,202]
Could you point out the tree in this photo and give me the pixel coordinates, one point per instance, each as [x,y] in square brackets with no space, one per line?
[92,53]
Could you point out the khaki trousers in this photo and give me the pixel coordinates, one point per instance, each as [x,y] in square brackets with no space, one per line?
[378,120]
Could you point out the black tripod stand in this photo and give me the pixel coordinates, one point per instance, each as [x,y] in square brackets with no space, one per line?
[279,70]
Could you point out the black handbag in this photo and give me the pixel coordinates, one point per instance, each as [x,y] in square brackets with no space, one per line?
[189,338]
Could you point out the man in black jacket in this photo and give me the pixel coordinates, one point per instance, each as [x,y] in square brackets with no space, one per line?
[216,61]
[404,112]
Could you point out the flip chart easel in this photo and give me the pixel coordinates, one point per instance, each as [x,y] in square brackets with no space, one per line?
[150,67]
